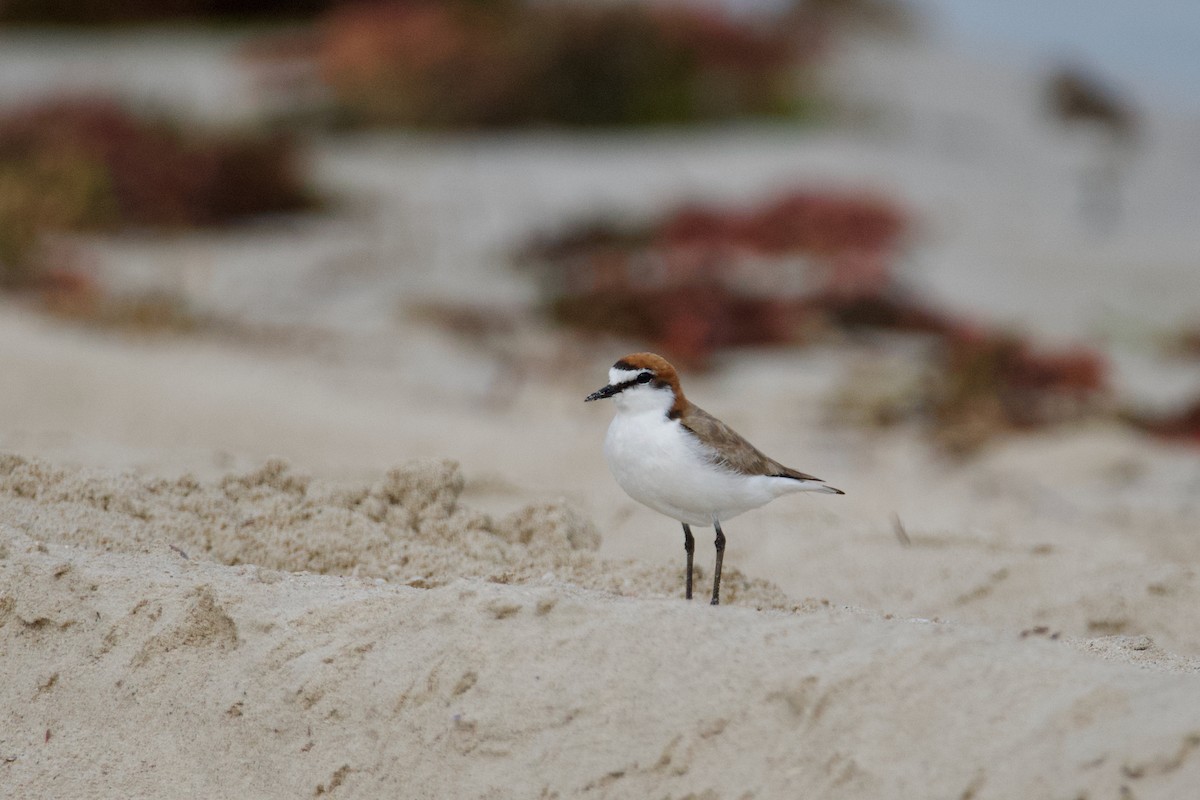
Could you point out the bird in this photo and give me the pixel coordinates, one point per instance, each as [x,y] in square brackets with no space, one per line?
[674,457]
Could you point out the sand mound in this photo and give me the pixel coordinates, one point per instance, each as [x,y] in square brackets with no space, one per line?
[408,527]
[148,675]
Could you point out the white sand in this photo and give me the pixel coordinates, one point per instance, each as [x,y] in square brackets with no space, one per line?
[136,668]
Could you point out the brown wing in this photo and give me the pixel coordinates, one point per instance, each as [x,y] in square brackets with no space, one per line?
[730,449]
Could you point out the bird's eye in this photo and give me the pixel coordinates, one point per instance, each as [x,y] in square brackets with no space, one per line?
[645,377]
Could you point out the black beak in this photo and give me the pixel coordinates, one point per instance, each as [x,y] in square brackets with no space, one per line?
[600,394]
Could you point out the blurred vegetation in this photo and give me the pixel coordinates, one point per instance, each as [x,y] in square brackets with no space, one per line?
[505,64]
[1074,95]
[1181,425]
[512,63]
[92,165]
[812,264]
[987,382]
[889,14]
[117,12]
[704,278]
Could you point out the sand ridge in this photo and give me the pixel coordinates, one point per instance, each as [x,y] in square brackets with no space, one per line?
[406,527]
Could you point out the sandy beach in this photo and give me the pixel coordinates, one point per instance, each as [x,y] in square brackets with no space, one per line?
[326,544]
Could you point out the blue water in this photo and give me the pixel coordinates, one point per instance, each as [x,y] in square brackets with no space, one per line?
[1149,48]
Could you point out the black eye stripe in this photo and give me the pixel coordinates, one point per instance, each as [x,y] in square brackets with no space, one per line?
[644,377]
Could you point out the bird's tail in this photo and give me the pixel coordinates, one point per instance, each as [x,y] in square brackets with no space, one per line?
[807,483]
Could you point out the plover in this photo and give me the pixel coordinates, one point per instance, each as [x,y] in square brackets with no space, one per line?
[681,461]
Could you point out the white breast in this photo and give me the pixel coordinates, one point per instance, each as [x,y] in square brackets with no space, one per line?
[660,464]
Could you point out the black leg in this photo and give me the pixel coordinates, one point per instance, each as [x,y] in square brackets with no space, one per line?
[720,556]
[689,545]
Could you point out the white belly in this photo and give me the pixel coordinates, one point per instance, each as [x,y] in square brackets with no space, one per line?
[658,463]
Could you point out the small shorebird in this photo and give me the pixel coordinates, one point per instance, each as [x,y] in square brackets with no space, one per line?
[681,461]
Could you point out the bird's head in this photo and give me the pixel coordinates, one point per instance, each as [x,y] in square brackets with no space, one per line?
[642,381]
